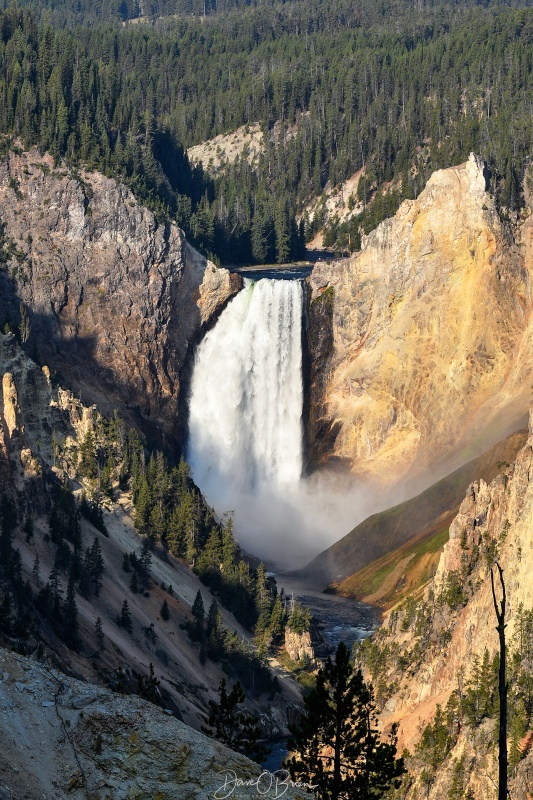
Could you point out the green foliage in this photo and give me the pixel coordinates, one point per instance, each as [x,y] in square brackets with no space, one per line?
[124,619]
[88,466]
[70,612]
[453,594]
[147,686]
[94,566]
[165,612]
[170,509]
[397,91]
[410,608]
[299,618]
[480,699]
[237,729]
[458,778]
[92,511]
[337,746]
[198,610]
[220,644]
[436,740]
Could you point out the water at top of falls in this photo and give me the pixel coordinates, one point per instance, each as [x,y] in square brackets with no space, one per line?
[245,422]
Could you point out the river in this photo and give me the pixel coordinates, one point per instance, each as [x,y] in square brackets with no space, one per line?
[336,619]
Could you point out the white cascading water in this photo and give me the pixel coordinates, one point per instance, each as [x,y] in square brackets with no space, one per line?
[245,424]
[245,430]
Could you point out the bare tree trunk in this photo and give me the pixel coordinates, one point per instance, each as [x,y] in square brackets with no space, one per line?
[502,686]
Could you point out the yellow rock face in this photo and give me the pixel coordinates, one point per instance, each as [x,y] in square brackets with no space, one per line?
[431,330]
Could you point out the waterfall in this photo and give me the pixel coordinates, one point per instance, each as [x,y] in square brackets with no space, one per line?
[245,423]
[245,431]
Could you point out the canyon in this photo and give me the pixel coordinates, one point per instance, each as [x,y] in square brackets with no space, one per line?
[417,347]
[416,362]
[42,428]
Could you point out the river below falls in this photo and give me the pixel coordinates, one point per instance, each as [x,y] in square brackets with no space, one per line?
[336,619]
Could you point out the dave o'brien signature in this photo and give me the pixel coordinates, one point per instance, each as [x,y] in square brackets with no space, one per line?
[271,784]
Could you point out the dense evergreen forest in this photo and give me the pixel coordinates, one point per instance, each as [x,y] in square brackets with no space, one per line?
[400,89]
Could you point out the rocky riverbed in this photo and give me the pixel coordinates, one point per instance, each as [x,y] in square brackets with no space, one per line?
[335,618]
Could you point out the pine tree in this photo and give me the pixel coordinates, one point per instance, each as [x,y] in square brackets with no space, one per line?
[157,524]
[175,533]
[145,562]
[106,487]
[299,618]
[277,617]
[28,528]
[259,237]
[457,785]
[87,465]
[5,614]
[143,506]
[124,619]
[196,628]
[230,553]
[198,609]
[99,633]
[211,556]
[36,570]
[214,631]
[191,550]
[237,729]
[56,591]
[165,612]
[96,566]
[214,617]
[147,687]
[8,521]
[70,612]
[134,584]
[337,746]
[262,594]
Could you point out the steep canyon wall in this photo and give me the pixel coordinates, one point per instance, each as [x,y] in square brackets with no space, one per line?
[115,299]
[424,337]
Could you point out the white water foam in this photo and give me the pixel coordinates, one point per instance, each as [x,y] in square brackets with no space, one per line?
[245,429]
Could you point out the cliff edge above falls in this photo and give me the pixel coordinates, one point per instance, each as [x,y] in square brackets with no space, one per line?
[429,340]
[115,299]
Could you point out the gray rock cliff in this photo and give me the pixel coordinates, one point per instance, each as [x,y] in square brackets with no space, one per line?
[115,299]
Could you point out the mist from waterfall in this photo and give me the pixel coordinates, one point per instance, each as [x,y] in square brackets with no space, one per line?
[245,428]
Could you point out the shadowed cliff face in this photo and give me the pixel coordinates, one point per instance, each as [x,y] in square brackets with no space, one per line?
[116,300]
[430,330]
[42,428]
